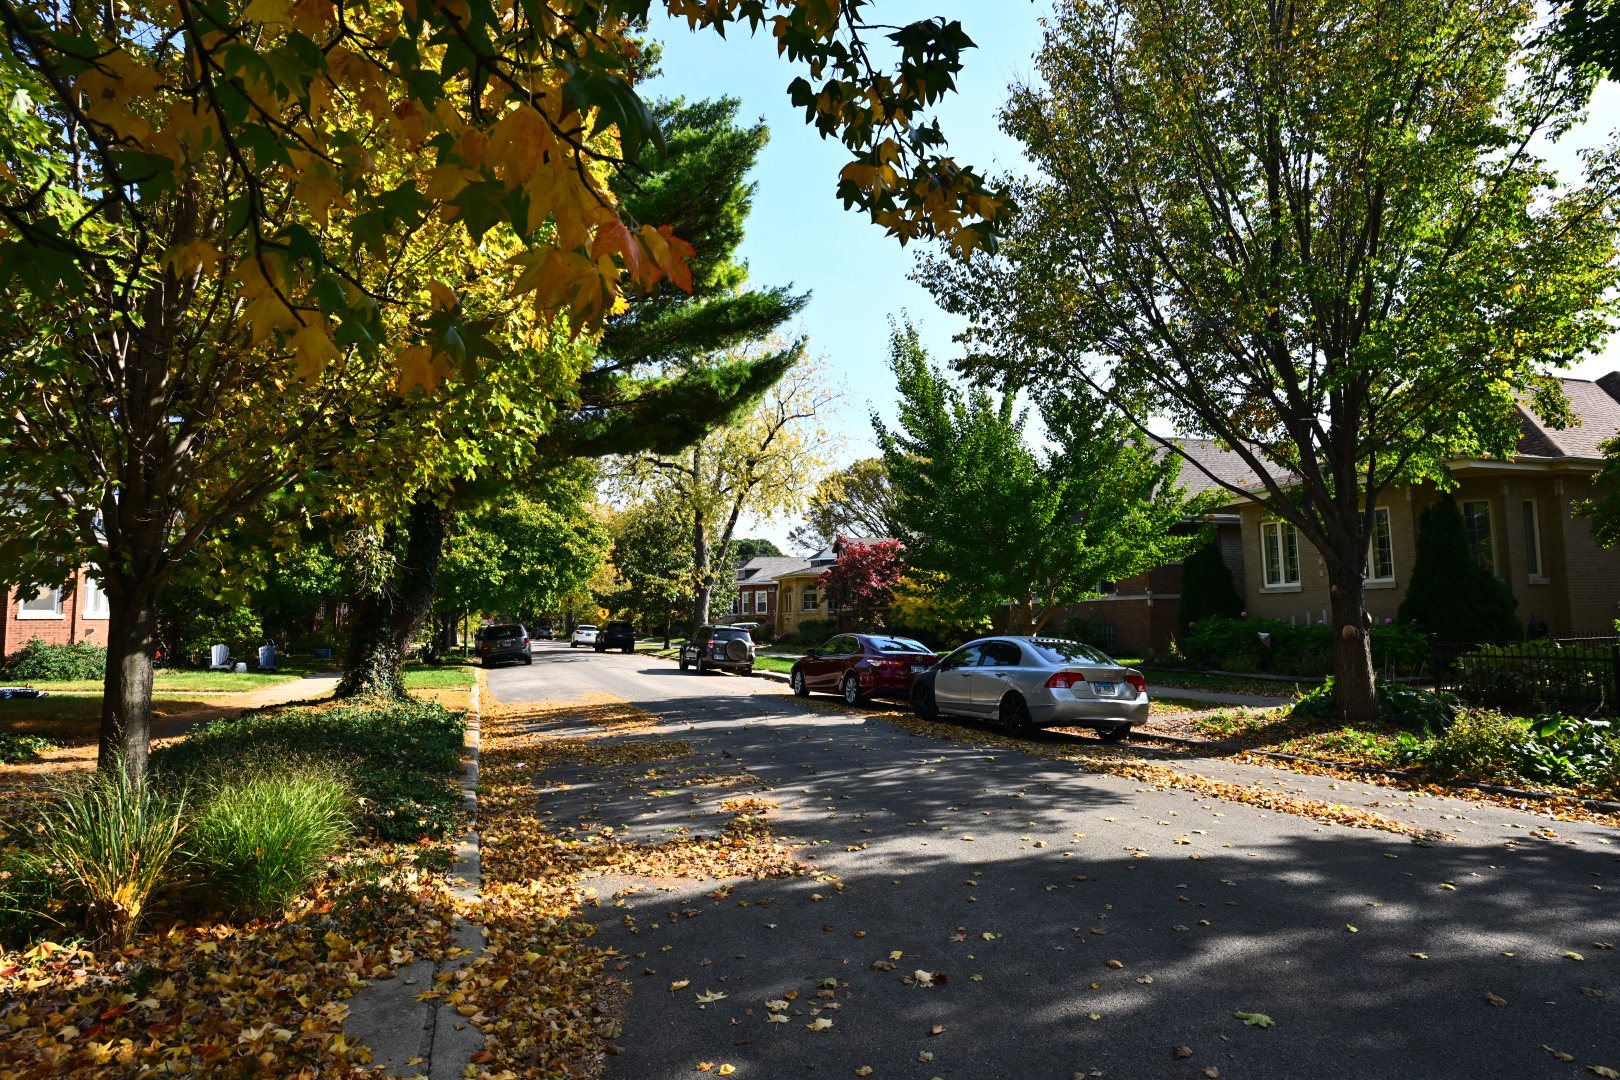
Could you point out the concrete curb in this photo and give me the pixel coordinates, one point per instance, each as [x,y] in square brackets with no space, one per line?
[1600,805]
[385,1016]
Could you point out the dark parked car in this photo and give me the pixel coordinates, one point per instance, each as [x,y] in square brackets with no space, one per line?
[503,641]
[719,648]
[546,633]
[616,635]
[858,666]
[1028,683]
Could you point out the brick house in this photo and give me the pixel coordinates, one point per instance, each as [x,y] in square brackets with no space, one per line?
[1519,518]
[75,612]
[782,591]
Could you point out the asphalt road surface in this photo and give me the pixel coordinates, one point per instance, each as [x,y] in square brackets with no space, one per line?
[1027,920]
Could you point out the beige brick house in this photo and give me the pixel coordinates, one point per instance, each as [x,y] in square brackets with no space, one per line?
[1517,511]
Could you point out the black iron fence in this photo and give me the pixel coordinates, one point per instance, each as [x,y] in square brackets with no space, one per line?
[1579,676]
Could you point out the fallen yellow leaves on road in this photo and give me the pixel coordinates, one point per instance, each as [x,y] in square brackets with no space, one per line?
[543,989]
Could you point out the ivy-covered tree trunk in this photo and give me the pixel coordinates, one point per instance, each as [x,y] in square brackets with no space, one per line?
[386,620]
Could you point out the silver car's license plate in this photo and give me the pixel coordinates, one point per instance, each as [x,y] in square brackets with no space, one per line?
[1103,688]
[918,669]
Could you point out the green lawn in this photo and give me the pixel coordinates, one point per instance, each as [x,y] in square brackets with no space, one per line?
[191,682]
[453,676]
[773,663]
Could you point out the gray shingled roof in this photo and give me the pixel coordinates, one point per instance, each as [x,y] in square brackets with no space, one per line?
[1225,464]
[767,567]
[1597,404]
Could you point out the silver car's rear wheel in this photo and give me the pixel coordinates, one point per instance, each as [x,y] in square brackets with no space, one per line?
[1015,718]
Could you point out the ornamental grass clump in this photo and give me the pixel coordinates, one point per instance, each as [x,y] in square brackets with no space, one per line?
[262,840]
[99,849]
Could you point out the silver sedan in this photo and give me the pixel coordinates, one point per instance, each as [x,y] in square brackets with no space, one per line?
[1031,682]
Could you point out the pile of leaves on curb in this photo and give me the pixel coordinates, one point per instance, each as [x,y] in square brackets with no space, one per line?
[263,999]
[541,993]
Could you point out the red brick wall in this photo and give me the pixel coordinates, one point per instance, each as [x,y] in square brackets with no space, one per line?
[72,625]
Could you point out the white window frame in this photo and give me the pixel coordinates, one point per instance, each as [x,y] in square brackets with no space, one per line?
[1282,583]
[1535,565]
[55,613]
[761,606]
[94,605]
[1381,523]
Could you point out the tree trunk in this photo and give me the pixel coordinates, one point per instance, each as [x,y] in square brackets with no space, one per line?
[1354,691]
[700,566]
[666,629]
[126,703]
[384,623]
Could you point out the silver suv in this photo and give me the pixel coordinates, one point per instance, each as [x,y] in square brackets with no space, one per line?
[1028,683]
[719,648]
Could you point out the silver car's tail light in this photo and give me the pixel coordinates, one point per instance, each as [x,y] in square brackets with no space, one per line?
[1137,681]
[1062,680]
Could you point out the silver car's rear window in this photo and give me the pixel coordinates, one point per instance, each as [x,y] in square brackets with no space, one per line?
[1055,651]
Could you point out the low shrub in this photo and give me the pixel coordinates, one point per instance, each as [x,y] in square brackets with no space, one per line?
[1402,706]
[1571,750]
[1481,743]
[1235,645]
[401,757]
[15,748]
[98,849]
[1087,631]
[56,663]
[262,839]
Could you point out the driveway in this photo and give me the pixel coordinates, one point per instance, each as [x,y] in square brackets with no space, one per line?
[1084,924]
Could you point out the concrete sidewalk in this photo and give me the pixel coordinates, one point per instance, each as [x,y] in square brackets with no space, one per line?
[1253,701]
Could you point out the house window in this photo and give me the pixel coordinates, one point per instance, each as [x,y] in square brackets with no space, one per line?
[47,605]
[1381,550]
[95,601]
[736,605]
[810,601]
[1477,523]
[1106,588]
[1532,540]
[759,602]
[1279,546]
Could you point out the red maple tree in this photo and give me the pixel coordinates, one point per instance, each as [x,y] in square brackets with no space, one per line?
[861,580]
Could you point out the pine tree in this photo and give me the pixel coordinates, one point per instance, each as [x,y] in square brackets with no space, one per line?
[1451,595]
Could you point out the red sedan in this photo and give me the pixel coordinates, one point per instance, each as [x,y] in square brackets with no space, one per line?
[859,666]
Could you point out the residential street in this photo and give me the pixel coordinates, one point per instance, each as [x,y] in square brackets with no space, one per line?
[1066,873]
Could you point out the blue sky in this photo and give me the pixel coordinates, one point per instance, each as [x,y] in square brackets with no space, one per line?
[799,232]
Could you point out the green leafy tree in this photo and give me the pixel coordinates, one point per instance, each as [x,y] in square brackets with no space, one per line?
[1321,234]
[521,552]
[857,500]
[987,521]
[1605,509]
[1450,595]
[746,549]
[652,558]
[1207,588]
